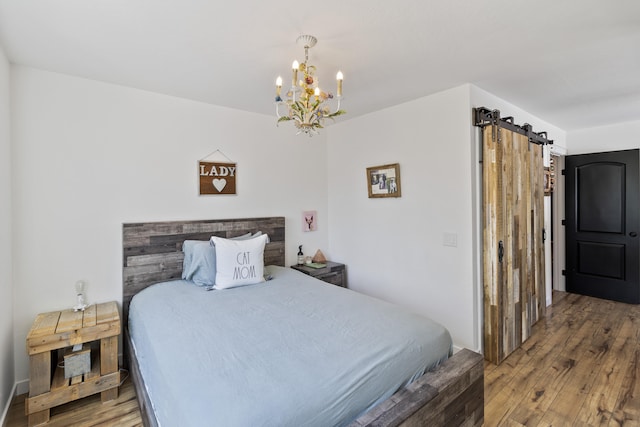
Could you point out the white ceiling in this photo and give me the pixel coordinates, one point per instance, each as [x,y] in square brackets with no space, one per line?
[573,63]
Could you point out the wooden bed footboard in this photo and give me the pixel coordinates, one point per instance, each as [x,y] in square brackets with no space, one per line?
[451,395]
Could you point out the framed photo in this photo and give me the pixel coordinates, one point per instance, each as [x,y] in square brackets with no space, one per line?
[384,181]
[309,221]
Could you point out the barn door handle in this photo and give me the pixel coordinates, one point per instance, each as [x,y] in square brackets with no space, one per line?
[500,251]
[633,234]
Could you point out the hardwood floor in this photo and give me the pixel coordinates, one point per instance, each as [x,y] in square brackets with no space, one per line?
[579,368]
[90,411]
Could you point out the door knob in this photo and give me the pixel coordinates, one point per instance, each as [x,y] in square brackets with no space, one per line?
[633,234]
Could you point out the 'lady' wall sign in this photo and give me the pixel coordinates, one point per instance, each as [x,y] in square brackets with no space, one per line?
[217,174]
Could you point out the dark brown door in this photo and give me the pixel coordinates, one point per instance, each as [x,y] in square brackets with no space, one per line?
[603,222]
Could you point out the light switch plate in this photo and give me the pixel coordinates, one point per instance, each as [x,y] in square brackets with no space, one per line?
[450,239]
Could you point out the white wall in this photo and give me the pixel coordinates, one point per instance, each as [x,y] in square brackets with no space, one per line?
[7,377]
[482,98]
[393,247]
[89,156]
[623,136]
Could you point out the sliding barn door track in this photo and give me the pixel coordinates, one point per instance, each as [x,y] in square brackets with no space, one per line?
[483,116]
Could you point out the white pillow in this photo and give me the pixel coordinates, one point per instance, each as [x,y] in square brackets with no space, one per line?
[239,262]
[199,264]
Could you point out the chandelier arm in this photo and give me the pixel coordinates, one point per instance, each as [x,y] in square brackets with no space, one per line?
[306,106]
[339,101]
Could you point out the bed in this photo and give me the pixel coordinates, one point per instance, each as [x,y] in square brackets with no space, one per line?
[386,386]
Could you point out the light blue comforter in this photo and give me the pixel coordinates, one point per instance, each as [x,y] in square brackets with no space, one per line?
[292,351]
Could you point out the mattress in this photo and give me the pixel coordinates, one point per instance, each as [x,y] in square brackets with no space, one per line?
[290,351]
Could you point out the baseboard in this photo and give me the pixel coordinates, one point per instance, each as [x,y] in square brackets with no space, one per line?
[457,349]
[22,387]
[3,419]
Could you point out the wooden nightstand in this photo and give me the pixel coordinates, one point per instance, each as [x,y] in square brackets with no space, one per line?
[333,273]
[66,328]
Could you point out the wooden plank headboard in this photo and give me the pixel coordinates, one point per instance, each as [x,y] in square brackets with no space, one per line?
[152,251]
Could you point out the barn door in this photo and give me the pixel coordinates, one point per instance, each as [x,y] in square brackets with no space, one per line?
[513,207]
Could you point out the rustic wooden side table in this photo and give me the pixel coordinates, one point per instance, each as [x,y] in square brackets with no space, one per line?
[333,273]
[60,329]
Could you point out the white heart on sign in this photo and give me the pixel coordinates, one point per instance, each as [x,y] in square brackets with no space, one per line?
[219,184]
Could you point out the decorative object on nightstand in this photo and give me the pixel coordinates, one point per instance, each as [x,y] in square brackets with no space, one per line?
[319,257]
[300,255]
[56,331]
[332,272]
[81,287]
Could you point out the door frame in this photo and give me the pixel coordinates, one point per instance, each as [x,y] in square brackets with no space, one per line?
[558,281]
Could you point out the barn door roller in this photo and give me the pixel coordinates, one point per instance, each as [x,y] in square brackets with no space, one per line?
[483,116]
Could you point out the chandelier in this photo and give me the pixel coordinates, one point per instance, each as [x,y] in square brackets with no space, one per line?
[306,104]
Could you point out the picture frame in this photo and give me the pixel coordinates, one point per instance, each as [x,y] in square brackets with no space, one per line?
[384,181]
[309,221]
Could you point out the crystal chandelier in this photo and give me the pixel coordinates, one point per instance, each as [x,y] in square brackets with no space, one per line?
[306,104]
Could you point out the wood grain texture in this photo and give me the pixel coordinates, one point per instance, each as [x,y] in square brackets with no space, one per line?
[152,253]
[90,316]
[333,273]
[40,383]
[450,396]
[109,364]
[44,324]
[536,379]
[90,411]
[72,391]
[58,330]
[579,367]
[513,221]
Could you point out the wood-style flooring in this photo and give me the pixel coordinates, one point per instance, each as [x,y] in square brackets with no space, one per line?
[90,411]
[580,367]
